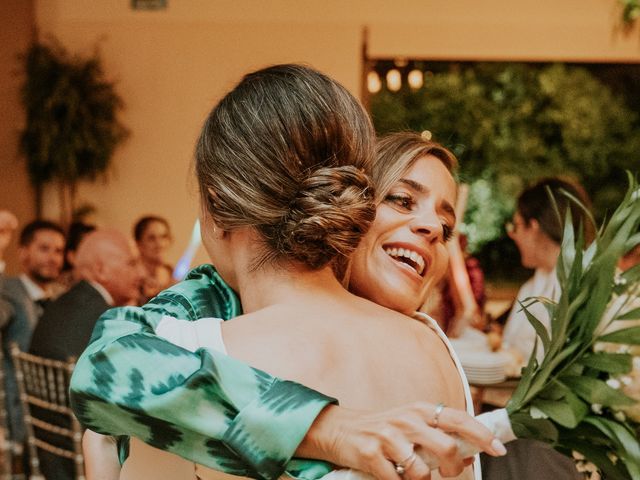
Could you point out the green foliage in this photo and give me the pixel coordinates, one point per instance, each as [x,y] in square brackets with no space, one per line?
[573,389]
[630,11]
[510,124]
[72,127]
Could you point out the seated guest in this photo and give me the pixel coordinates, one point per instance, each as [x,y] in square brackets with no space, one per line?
[76,232]
[40,253]
[109,274]
[153,237]
[537,232]
[8,224]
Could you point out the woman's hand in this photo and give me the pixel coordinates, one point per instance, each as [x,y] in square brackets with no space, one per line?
[100,456]
[375,442]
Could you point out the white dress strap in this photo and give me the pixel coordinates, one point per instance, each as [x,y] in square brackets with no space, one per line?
[192,335]
[423,317]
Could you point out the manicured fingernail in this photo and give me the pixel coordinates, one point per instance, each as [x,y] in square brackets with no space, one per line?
[498,447]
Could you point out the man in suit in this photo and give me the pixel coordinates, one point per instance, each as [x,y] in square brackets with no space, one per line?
[40,253]
[110,274]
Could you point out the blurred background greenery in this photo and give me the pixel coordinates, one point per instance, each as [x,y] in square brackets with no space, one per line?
[510,124]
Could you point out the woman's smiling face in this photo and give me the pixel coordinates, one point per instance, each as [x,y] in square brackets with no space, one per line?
[404,254]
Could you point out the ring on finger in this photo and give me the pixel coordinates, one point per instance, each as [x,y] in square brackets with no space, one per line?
[436,415]
[404,465]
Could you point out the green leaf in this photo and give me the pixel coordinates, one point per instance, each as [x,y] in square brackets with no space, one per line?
[596,391]
[627,443]
[630,315]
[539,429]
[632,275]
[567,412]
[554,391]
[598,456]
[630,336]
[608,362]
[539,327]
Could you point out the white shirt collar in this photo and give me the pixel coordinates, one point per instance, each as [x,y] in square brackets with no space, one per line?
[34,291]
[102,291]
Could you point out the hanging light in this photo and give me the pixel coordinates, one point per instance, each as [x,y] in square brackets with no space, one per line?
[400,62]
[394,80]
[415,79]
[374,84]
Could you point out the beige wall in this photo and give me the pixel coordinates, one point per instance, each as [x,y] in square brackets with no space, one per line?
[172,66]
[16,31]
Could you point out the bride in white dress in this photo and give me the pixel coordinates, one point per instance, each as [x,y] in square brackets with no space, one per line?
[285,202]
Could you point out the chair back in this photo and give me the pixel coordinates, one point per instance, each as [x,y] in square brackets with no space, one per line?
[44,386]
[6,447]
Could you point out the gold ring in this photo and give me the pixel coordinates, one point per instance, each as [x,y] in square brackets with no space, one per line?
[436,415]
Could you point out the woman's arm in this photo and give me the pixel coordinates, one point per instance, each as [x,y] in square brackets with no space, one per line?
[203,406]
[219,412]
[100,457]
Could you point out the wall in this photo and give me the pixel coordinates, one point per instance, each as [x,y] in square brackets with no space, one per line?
[173,65]
[16,31]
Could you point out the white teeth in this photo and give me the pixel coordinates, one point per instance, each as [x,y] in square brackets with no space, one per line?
[415,257]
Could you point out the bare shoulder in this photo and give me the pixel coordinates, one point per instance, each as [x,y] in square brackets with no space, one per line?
[278,341]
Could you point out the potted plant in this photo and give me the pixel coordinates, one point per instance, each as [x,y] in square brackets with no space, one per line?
[72,127]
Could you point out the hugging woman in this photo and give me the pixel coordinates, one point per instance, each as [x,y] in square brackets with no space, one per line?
[286,202]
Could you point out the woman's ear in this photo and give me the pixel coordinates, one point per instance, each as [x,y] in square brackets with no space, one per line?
[534,225]
[217,231]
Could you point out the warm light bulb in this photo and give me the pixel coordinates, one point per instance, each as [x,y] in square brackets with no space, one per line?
[415,79]
[394,80]
[374,84]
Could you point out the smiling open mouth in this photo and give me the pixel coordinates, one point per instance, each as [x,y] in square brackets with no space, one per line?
[408,257]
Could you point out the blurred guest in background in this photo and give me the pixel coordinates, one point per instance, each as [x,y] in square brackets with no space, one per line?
[76,232]
[22,300]
[153,237]
[8,225]
[454,308]
[109,274]
[537,230]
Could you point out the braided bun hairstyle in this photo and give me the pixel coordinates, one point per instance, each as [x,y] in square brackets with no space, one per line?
[287,152]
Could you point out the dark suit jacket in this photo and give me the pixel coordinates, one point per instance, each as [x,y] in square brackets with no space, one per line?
[18,317]
[64,331]
[67,323]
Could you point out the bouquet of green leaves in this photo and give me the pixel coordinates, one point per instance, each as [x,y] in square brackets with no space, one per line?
[572,398]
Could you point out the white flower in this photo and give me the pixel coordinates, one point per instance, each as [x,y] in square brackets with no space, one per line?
[614,383]
[596,408]
[537,413]
[599,347]
[620,416]
[619,281]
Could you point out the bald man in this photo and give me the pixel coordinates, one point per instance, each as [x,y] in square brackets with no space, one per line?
[110,276]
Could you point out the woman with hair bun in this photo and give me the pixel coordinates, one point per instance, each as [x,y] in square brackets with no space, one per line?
[282,164]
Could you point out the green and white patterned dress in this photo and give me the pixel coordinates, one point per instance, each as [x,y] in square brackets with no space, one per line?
[204,406]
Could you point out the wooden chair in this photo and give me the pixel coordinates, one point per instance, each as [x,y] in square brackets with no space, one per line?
[6,446]
[44,384]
